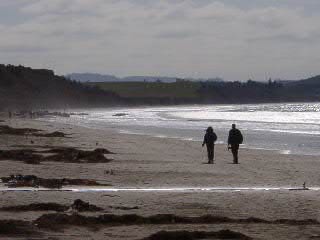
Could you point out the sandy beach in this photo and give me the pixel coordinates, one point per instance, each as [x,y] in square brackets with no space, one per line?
[143,162]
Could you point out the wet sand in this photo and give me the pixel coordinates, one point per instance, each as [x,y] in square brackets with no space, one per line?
[142,162]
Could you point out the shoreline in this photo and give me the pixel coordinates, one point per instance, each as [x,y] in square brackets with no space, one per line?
[150,163]
[83,189]
[243,146]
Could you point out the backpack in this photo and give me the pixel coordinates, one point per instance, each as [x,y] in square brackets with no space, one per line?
[211,138]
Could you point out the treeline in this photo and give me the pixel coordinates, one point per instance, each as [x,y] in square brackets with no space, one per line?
[261,92]
[211,92]
[26,88]
[241,92]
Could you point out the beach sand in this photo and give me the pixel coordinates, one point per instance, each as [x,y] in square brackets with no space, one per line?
[147,162]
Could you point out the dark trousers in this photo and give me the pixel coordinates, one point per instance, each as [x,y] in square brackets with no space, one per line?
[210,150]
[234,150]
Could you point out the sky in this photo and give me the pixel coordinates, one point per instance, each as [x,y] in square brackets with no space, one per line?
[232,39]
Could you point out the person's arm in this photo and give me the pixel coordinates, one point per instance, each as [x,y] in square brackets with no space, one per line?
[229,140]
[204,140]
[240,137]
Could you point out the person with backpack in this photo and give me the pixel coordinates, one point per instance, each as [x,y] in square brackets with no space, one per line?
[209,139]
[234,140]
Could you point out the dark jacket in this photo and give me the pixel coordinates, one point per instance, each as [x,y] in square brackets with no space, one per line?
[210,138]
[235,136]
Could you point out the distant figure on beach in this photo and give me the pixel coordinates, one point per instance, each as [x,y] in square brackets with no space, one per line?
[209,138]
[10,114]
[234,140]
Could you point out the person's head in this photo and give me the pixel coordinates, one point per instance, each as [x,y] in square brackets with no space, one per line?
[233,126]
[209,130]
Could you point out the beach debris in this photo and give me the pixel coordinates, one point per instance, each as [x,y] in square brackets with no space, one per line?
[34,181]
[124,207]
[51,114]
[304,188]
[187,235]
[109,172]
[82,206]
[110,195]
[57,114]
[120,114]
[79,114]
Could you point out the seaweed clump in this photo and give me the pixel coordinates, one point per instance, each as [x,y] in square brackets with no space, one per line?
[77,205]
[26,155]
[5,129]
[82,206]
[16,227]
[34,181]
[68,155]
[186,235]
[73,155]
[48,220]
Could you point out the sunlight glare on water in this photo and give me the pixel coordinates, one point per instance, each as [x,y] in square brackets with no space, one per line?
[290,128]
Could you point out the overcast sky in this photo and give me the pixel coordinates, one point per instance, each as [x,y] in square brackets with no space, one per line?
[232,39]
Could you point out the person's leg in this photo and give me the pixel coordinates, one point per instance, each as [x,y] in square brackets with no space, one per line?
[213,154]
[210,154]
[234,150]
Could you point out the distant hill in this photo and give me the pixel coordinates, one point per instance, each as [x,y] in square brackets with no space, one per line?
[26,88]
[92,77]
[313,81]
[23,88]
[189,92]
[95,77]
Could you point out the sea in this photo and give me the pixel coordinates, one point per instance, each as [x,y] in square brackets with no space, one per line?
[289,128]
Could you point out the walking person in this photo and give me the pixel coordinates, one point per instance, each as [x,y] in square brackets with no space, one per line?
[234,140]
[209,139]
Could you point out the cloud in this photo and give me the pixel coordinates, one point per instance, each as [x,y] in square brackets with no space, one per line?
[181,38]
[178,33]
